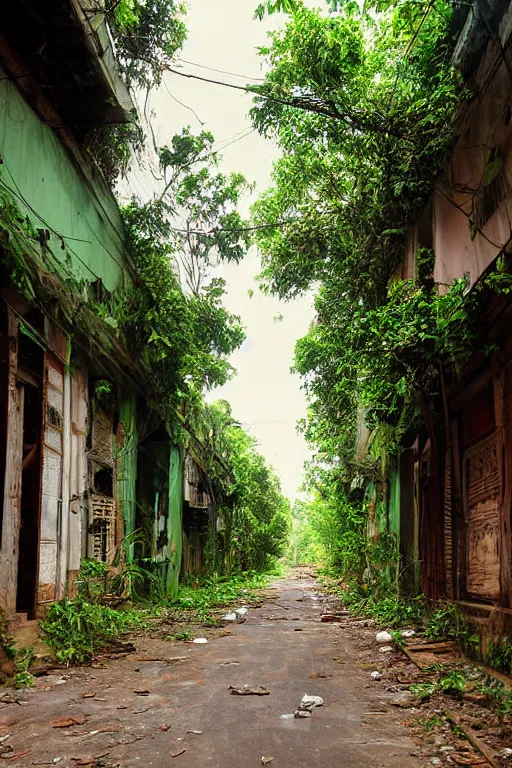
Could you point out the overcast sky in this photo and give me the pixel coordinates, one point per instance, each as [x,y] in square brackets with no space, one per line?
[264,395]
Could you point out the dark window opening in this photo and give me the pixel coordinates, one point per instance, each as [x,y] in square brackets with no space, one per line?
[103,482]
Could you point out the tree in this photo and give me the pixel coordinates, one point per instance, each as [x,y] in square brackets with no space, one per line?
[356,169]
[174,319]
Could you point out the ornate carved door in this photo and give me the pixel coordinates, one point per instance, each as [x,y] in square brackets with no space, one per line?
[483,478]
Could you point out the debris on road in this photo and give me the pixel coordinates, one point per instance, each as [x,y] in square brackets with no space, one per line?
[246,691]
[229,617]
[177,752]
[197,733]
[200,640]
[307,705]
[267,760]
[67,721]
[383,637]
[386,649]
[376,675]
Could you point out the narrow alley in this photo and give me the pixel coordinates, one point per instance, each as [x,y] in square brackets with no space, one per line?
[129,712]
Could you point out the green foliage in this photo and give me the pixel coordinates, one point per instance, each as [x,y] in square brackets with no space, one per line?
[22,677]
[77,629]
[183,335]
[217,591]
[499,655]
[254,516]
[360,104]
[446,622]
[147,36]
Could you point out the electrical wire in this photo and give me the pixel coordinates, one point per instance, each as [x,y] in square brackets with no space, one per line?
[223,71]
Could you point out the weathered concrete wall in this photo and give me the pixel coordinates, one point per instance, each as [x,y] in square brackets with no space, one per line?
[477,183]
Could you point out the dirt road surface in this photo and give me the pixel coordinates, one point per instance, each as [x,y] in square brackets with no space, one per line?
[152,713]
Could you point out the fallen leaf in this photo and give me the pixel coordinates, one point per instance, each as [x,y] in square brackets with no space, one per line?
[68,721]
[142,693]
[84,760]
[88,694]
[177,752]
[164,727]
[267,760]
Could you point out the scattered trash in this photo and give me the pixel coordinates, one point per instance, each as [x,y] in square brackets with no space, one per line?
[403,700]
[376,675]
[385,649]
[177,752]
[267,760]
[229,617]
[197,733]
[143,692]
[307,705]
[507,752]
[436,761]
[297,629]
[67,721]
[408,632]
[287,717]
[241,611]
[383,637]
[246,691]
[228,663]
[200,640]
[164,727]
[310,702]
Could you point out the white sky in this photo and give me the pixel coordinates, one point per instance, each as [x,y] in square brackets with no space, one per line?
[264,395]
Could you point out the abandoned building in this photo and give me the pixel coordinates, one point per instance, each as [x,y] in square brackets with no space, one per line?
[448,497]
[84,462]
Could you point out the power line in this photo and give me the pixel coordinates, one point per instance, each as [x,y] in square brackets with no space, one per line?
[223,71]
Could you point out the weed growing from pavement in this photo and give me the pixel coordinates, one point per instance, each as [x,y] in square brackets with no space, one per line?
[464,680]
[22,677]
[198,598]
[77,629]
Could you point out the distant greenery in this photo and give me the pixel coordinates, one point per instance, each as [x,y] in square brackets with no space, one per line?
[254,515]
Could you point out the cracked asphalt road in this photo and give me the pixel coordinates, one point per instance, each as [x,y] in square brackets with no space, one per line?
[282,646]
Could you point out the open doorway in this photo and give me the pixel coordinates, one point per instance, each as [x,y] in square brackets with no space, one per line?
[29,374]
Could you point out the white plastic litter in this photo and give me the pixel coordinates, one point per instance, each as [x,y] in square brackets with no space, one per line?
[407,632]
[383,649]
[310,702]
[376,675]
[229,617]
[241,611]
[200,640]
[383,637]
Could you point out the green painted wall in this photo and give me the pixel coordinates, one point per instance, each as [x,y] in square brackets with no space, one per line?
[59,195]
[174,520]
[127,467]
[394,499]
